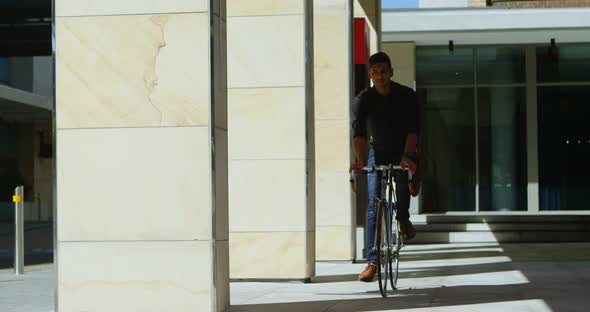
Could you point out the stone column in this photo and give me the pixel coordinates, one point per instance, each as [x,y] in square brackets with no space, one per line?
[272,200]
[370,10]
[332,60]
[141,156]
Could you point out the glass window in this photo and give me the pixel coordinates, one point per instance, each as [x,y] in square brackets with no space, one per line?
[501,65]
[563,63]
[446,88]
[4,70]
[439,66]
[448,149]
[10,174]
[564,147]
[502,149]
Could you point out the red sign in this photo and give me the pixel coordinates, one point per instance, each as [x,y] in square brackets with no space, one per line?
[360,41]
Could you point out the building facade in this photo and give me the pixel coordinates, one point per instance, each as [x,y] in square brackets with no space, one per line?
[203,141]
[205,119]
[495,125]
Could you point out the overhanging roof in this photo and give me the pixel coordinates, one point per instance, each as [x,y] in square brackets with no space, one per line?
[18,105]
[486,26]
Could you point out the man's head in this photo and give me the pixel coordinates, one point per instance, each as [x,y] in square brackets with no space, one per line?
[380,70]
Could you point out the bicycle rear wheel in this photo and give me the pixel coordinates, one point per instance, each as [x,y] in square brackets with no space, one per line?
[382,247]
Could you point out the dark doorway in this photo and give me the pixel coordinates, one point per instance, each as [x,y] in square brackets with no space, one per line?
[26,126]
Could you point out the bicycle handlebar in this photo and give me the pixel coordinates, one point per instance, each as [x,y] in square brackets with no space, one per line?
[378,168]
[382,168]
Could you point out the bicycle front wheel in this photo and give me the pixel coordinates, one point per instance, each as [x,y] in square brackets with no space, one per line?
[382,247]
[396,245]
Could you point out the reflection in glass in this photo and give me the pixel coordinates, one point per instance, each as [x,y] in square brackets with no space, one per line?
[448,149]
[10,173]
[500,65]
[564,147]
[563,63]
[502,149]
[439,66]
[4,70]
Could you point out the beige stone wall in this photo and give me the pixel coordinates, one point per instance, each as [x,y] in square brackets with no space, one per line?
[271,219]
[370,10]
[332,98]
[477,3]
[543,3]
[138,227]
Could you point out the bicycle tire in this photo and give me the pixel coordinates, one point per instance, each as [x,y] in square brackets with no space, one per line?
[394,258]
[382,248]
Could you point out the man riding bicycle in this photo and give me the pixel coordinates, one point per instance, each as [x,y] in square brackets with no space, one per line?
[385,117]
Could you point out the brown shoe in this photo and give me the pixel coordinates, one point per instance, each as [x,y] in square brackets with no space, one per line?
[407,230]
[369,272]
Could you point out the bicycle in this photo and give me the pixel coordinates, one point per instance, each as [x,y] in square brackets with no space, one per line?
[388,239]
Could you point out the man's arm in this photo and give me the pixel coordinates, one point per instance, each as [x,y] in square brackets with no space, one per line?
[360,148]
[413,127]
[359,133]
[411,143]
[407,162]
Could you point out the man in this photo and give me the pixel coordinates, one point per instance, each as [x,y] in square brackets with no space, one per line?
[385,116]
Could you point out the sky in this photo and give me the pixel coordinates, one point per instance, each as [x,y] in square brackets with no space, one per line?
[399,4]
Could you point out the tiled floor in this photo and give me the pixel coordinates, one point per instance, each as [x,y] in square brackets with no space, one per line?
[448,277]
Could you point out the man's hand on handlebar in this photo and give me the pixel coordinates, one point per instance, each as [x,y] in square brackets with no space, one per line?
[356,167]
[408,164]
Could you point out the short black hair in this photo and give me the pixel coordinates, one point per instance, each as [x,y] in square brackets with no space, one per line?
[379,58]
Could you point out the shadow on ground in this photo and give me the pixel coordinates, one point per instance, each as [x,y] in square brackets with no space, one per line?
[510,277]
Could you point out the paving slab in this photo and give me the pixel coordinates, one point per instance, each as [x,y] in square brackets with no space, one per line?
[439,277]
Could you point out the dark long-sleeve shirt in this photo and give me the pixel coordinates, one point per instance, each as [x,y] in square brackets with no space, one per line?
[386,121]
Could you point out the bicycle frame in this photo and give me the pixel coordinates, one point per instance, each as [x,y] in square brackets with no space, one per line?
[386,246]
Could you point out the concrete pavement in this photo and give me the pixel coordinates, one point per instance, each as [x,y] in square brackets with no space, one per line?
[442,277]
[446,277]
[32,292]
